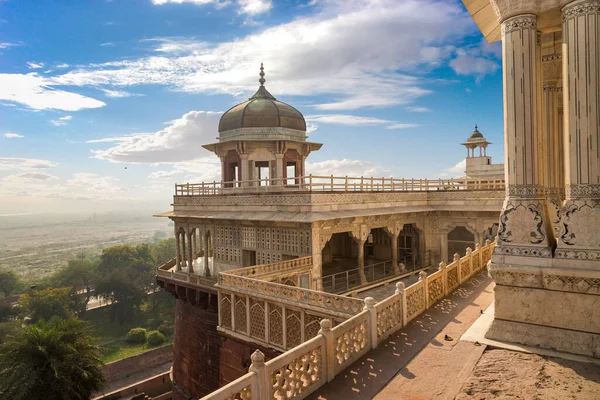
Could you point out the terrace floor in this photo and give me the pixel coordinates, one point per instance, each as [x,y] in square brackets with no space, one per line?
[418,363]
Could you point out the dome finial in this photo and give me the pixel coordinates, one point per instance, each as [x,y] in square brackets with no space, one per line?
[476,127]
[262,75]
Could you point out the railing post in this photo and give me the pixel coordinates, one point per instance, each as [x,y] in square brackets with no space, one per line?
[423,278]
[392,183]
[310,183]
[346,184]
[361,183]
[332,183]
[400,291]
[370,306]
[456,259]
[329,349]
[262,384]
[426,184]
[442,268]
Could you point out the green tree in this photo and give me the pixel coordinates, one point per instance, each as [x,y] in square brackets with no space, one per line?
[79,274]
[54,360]
[9,282]
[125,276]
[164,251]
[49,303]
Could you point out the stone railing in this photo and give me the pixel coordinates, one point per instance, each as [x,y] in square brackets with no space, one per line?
[265,270]
[315,183]
[300,371]
[166,271]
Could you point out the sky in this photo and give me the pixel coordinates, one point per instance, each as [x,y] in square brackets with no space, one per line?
[104,105]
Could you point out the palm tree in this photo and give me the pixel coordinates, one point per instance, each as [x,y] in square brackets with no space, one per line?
[54,360]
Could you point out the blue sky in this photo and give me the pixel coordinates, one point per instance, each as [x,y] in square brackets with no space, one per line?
[104,105]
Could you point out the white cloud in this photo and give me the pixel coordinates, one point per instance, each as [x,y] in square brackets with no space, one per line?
[35,92]
[63,65]
[345,167]
[62,121]
[402,126]
[6,45]
[343,119]
[119,93]
[107,44]
[417,109]
[12,135]
[30,176]
[181,141]
[320,54]
[35,65]
[10,163]
[468,65]
[254,7]
[457,171]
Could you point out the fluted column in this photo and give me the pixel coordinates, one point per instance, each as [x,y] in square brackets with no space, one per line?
[361,260]
[580,217]
[524,223]
[553,163]
[190,250]
[206,255]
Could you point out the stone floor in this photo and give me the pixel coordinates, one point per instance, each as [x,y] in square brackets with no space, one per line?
[429,360]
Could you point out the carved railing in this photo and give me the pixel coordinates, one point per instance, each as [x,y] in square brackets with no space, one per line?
[315,183]
[277,268]
[166,271]
[300,371]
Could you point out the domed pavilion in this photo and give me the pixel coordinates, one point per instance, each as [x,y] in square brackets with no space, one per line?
[262,141]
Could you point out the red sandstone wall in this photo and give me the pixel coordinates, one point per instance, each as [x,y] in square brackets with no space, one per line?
[196,351]
[131,365]
[235,358]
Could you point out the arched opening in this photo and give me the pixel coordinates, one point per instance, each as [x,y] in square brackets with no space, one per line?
[408,247]
[340,263]
[378,255]
[459,239]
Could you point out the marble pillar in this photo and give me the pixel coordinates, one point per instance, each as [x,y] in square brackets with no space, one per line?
[525,229]
[579,241]
[206,255]
[178,253]
[190,255]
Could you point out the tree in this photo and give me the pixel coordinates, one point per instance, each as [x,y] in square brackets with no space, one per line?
[125,276]
[49,303]
[79,274]
[9,282]
[164,251]
[54,360]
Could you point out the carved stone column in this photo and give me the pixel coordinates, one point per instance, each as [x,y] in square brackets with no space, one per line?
[223,169]
[580,239]
[361,260]
[444,246]
[178,255]
[553,160]
[206,254]
[279,169]
[190,255]
[318,242]
[525,228]
[245,166]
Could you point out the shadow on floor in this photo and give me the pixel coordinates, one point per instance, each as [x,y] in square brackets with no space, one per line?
[370,374]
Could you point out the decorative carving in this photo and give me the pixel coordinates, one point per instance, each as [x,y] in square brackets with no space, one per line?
[581,221]
[257,319]
[293,379]
[241,318]
[552,57]
[389,317]
[275,324]
[312,325]
[293,329]
[452,277]
[519,23]
[512,278]
[525,191]
[580,190]
[577,9]
[415,302]
[435,288]
[225,310]
[522,223]
[350,342]
[552,87]
[541,252]
[572,283]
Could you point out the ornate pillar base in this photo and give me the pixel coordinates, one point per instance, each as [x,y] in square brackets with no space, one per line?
[548,307]
[579,238]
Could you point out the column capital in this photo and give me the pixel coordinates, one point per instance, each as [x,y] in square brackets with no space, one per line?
[580,7]
[519,22]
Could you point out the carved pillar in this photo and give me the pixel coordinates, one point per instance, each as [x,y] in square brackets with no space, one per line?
[178,254]
[245,166]
[206,251]
[394,239]
[223,175]
[190,255]
[279,169]
[317,244]
[361,260]
[524,222]
[580,214]
[444,246]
